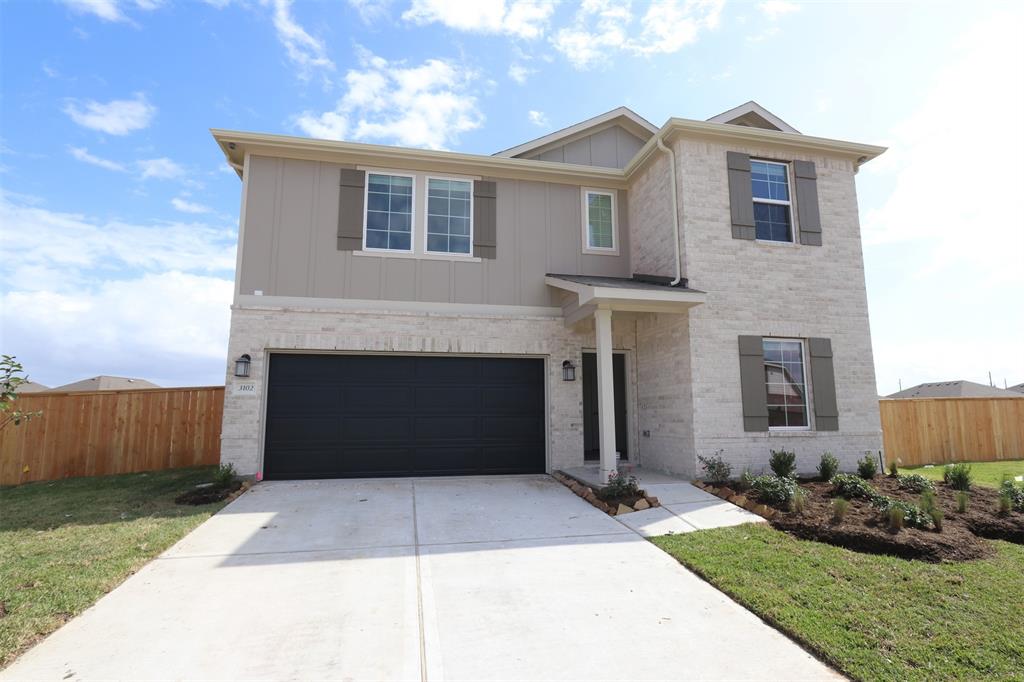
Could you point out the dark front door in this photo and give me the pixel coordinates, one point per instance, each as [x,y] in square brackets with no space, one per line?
[348,416]
[591,434]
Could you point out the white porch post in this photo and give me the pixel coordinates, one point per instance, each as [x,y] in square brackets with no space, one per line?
[605,393]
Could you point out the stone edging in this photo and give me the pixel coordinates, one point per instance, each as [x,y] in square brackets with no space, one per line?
[730,495]
[583,490]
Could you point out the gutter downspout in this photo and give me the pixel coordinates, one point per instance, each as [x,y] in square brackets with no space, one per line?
[675,210]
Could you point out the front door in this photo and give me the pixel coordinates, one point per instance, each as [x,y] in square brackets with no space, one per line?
[591,433]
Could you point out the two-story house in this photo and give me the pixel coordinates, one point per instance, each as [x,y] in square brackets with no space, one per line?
[610,292]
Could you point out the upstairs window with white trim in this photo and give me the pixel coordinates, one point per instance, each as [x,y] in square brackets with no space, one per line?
[389,201]
[599,229]
[786,384]
[773,216]
[449,216]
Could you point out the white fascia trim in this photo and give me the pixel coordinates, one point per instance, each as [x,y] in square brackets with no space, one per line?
[620,112]
[753,107]
[312,304]
[588,294]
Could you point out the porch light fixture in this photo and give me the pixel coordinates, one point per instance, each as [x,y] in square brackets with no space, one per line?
[568,371]
[242,365]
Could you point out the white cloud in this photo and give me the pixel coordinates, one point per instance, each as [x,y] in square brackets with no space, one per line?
[306,52]
[117,117]
[160,169]
[774,9]
[603,27]
[186,206]
[944,247]
[517,18]
[537,118]
[419,106]
[370,10]
[520,73]
[82,154]
[83,296]
[110,10]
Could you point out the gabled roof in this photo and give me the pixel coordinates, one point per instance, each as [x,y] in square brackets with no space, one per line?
[1019,388]
[31,387]
[954,389]
[105,383]
[753,115]
[627,118]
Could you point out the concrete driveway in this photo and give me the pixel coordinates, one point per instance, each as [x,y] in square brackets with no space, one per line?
[425,579]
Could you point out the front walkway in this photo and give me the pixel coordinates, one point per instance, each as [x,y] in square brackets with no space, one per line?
[425,579]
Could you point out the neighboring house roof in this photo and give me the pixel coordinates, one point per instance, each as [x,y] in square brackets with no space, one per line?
[622,116]
[754,115]
[31,387]
[105,383]
[953,389]
[1019,388]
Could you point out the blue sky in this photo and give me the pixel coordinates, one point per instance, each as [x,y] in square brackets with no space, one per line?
[119,217]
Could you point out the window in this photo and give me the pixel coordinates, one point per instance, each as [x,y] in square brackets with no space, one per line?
[599,221]
[449,216]
[388,212]
[772,209]
[786,384]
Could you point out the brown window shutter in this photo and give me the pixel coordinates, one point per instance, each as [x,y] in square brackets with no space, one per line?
[485,219]
[808,213]
[350,209]
[741,196]
[823,385]
[752,386]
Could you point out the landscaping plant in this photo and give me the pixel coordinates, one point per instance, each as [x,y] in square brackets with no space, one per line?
[915,483]
[1005,503]
[895,516]
[957,476]
[774,490]
[963,501]
[798,501]
[908,514]
[867,467]
[224,476]
[936,515]
[894,468]
[1015,494]
[783,463]
[10,380]
[850,486]
[620,486]
[839,508]
[828,467]
[716,470]
[746,480]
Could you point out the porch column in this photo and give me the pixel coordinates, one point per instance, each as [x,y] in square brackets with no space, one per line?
[605,393]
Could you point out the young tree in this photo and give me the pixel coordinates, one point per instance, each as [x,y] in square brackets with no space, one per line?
[12,375]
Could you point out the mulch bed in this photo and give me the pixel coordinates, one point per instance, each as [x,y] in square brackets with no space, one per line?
[208,494]
[607,503]
[863,529]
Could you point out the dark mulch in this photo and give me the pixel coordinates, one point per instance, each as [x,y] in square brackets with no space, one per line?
[863,529]
[628,500]
[208,494]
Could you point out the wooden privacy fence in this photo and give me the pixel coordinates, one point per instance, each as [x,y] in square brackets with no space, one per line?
[939,430]
[112,432]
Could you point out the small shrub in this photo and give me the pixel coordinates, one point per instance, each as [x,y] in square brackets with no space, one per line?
[620,486]
[774,490]
[828,467]
[1015,494]
[746,480]
[839,508]
[936,516]
[783,463]
[963,501]
[895,516]
[957,476]
[224,476]
[1004,504]
[908,513]
[867,467]
[798,502]
[927,502]
[894,469]
[850,486]
[716,470]
[915,483]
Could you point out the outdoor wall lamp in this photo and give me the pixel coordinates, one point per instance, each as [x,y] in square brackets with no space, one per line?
[242,365]
[568,371]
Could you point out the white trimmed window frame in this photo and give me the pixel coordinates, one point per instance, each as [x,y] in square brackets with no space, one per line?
[426,216]
[585,192]
[778,202]
[806,384]
[412,209]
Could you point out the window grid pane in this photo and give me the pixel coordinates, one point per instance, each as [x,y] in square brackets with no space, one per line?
[599,221]
[448,216]
[770,183]
[389,212]
[785,385]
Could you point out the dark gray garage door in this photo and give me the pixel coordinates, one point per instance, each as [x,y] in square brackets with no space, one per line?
[343,416]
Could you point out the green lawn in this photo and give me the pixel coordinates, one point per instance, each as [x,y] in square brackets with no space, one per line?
[985,473]
[64,544]
[872,617]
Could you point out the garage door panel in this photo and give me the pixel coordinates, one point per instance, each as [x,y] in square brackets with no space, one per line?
[381,415]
